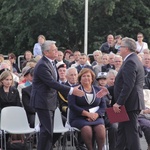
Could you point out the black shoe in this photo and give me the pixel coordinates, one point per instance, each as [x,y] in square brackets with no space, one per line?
[81,147]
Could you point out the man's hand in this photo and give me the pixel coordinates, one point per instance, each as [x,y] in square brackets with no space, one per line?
[78,92]
[116,108]
[104,91]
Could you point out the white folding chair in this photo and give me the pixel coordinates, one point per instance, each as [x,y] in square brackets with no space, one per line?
[14,121]
[72,130]
[59,128]
[37,127]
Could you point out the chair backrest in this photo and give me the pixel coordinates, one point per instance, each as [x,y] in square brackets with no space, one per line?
[146,93]
[67,125]
[13,118]
[37,123]
[58,124]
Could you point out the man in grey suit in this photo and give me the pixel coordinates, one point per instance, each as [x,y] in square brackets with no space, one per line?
[128,91]
[44,93]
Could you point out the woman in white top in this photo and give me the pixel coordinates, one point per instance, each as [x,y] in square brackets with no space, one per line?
[140,44]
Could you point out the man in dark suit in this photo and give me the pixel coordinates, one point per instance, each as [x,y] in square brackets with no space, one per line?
[128,91]
[76,55]
[83,63]
[71,75]
[44,93]
[26,92]
[111,65]
[108,46]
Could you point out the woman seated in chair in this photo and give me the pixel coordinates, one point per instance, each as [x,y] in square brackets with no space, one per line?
[86,113]
[9,95]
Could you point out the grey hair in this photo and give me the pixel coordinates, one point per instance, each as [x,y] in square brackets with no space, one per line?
[46,45]
[130,43]
[118,56]
[112,72]
[97,51]
[71,68]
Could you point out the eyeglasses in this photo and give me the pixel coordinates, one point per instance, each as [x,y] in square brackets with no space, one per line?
[117,61]
[122,47]
[139,36]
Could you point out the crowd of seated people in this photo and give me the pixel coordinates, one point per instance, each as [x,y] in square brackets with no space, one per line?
[71,66]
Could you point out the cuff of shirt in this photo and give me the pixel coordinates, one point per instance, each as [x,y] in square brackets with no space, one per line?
[71,91]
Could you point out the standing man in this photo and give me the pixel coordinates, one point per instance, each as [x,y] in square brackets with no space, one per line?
[128,91]
[44,93]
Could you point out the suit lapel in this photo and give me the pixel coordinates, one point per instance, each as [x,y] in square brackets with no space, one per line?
[133,54]
[51,68]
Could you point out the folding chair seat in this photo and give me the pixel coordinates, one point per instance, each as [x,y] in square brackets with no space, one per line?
[14,121]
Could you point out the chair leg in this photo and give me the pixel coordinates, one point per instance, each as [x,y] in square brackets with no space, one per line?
[64,141]
[1,139]
[58,143]
[107,140]
[72,139]
[4,140]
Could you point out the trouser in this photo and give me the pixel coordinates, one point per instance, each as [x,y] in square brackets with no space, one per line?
[45,141]
[128,136]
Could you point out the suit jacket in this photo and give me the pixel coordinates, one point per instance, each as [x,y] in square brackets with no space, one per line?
[79,68]
[9,99]
[105,48]
[111,91]
[45,86]
[71,63]
[63,101]
[78,104]
[107,67]
[67,63]
[128,87]
[26,93]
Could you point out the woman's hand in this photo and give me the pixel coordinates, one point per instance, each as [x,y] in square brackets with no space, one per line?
[92,116]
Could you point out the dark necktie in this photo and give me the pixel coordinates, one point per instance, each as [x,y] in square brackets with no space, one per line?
[54,67]
[53,64]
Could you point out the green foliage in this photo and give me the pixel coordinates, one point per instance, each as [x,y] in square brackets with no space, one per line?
[63,21]
[23,21]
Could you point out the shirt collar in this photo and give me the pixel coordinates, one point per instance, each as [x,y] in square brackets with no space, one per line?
[127,56]
[51,61]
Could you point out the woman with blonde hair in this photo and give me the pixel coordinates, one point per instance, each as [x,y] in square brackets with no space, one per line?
[9,95]
[1,58]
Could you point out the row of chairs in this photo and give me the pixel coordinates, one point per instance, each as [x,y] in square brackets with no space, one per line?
[14,121]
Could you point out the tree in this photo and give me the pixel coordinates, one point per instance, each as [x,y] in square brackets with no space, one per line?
[23,21]
[63,21]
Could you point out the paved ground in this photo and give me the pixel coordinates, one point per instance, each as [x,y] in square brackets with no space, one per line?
[142,141]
